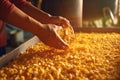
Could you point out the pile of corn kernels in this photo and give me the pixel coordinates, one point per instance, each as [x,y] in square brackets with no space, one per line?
[91,56]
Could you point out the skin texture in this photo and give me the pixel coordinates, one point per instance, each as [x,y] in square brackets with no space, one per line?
[42,24]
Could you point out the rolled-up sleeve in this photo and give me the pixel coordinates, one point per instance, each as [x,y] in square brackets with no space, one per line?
[5,8]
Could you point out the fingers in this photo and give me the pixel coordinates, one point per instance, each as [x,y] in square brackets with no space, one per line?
[58,20]
[55,39]
[65,23]
[59,43]
[61,21]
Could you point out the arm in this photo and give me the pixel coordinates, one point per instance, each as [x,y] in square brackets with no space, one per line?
[40,15]
[46,32]
[20,19]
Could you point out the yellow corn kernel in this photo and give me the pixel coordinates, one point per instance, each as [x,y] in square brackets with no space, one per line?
[67,34]
[91,56]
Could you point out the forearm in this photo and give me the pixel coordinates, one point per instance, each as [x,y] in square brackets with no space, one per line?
[36,13]
[23,21]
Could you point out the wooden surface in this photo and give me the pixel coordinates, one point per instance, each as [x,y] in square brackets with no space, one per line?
[99,30]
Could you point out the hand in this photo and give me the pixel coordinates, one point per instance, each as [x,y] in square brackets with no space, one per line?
[50,37]
[61,21]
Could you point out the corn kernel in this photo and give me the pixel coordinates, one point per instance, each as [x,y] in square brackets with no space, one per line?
[91,56]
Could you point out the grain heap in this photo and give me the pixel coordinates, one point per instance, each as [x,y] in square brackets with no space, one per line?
[91,56]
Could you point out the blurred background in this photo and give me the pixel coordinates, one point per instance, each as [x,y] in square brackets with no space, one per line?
[94,13]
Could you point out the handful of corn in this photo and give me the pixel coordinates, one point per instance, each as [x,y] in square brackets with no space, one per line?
[66,33]
[91,56]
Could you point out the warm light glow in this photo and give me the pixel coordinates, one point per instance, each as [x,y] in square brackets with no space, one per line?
[91,56]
